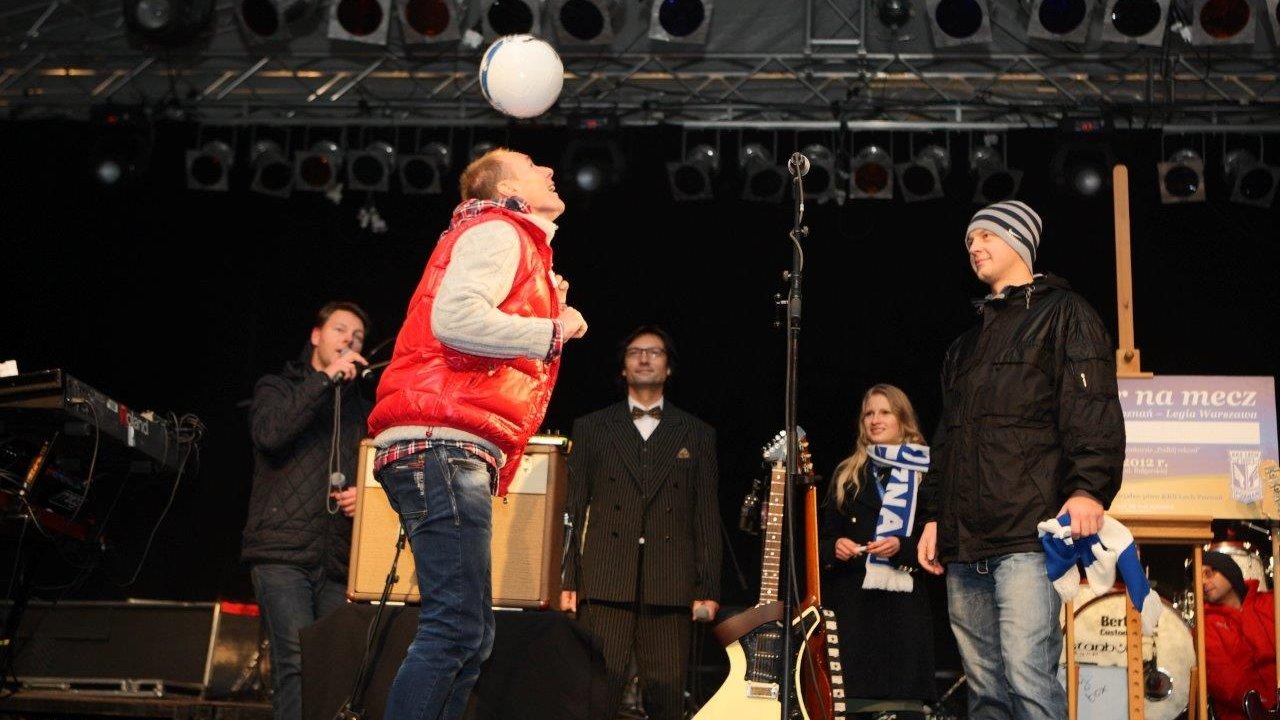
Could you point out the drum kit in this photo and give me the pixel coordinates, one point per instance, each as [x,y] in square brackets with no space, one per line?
[1168,655]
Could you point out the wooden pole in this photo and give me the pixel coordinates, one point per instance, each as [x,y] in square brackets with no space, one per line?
[1128,358]
[1073,668]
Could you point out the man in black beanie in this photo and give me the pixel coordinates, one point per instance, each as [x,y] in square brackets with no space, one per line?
[1239,636]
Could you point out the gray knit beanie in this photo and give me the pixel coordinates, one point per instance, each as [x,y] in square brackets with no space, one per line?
[1016,223]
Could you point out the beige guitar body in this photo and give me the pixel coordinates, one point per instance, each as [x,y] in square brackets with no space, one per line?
[741,700]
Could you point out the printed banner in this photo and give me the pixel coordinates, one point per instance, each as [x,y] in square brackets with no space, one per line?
[1198,445]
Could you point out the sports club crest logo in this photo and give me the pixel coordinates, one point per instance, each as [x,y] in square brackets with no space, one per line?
[1246,483]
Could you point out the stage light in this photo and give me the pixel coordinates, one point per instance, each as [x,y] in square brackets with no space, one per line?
[316,170]
[423,172]
[274,20]
[210,167]
[959,22]
[167,22]
[272,173]
[820,184]
[1182,177]
[871,174]
[511,17]
[1082,169]
[585,22]
[893,14]
[589,165]
[921,179]
[121,150]
[1273,19]
[429,21]
[480,148]
[1060,20]
[1135,22]
[680,21]
[1252,183]
[370,168]
[362,21]
[691,178]
[1222,22]
[993,180]
[763,180]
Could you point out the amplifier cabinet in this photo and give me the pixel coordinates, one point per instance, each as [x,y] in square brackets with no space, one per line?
[528,533]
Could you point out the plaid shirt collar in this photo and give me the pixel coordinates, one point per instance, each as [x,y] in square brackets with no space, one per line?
[471,208]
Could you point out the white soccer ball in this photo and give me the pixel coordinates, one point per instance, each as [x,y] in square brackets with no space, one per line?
[521,75]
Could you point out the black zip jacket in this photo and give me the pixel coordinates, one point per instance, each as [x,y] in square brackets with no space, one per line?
[1030,415]
[291,424]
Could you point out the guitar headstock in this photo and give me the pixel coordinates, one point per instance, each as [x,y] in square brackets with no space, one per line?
[776,450]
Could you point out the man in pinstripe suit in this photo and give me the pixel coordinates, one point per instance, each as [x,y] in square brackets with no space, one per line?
[645,564]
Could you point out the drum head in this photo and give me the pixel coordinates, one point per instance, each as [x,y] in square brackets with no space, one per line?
[1100,651]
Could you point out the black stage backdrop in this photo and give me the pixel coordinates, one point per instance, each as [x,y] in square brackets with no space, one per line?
[177,300]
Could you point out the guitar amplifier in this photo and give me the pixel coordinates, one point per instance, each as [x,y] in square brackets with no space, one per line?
[528,533]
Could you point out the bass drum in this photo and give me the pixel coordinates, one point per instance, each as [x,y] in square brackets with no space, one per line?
[1168,657]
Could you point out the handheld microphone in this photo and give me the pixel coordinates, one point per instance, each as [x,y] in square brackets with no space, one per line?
[701,613]
[369,370]
[798,165]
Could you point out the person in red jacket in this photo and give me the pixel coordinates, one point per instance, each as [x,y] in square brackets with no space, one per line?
[469,382]
[1239,636]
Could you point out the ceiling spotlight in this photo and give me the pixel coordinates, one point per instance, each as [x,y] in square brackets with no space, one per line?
[921,179]
[893,14]
[209,167]
[871,174]
[272,173]
[820,183]
[121,151]
[167,22]
[593,164]
[691,179]
[680,21]
[1060,20]
[1082,169]
[763,180]
[1222,22]
[511,17]
[480,148]
[585,22]
[959,22]
[993,180]
[1135,22]
[422,173]
[316,170]
[429,21]
[370,168]
[363,21]
[1182,177]
[1252,183]
[274,20]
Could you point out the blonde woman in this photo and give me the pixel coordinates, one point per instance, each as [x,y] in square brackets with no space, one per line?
[868,547]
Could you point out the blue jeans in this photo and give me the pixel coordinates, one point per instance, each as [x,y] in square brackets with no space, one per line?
[1004,613]
[291,598]
[442,497]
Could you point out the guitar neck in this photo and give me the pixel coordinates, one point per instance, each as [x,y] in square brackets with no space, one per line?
[770,566]
[812,568]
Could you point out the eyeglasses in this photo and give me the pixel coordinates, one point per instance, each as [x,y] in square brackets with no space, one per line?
[653,353]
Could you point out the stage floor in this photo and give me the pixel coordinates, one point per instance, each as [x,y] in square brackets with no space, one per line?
[66,705]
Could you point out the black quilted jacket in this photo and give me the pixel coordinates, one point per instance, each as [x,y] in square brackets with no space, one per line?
[291,424]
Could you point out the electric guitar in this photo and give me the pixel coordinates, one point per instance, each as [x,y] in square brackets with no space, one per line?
[1254,707]
[819,675]
[753,639]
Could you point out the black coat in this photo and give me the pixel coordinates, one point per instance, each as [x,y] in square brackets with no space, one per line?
[291,424]
[1030,414]
[663,490]
[886,638]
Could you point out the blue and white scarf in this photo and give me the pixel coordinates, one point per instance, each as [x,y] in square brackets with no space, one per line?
[1102,555]
[907,464]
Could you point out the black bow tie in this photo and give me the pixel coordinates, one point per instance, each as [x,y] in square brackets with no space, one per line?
[653,412]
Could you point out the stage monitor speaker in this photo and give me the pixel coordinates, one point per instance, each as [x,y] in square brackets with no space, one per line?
[135,647]
[528,533]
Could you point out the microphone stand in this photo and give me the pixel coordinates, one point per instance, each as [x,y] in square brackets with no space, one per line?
[797,166]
